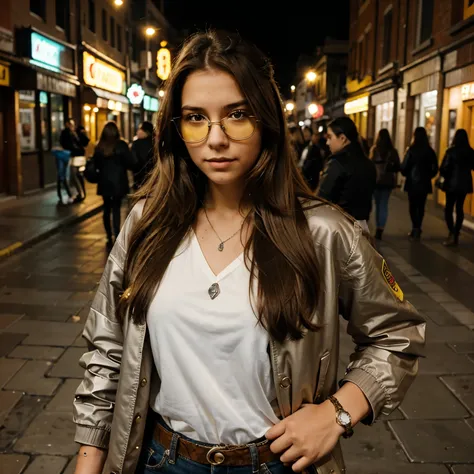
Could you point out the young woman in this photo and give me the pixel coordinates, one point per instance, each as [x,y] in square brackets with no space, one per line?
[112,159]
[214,335]
[349,178]
[387,164]
[456,170]
[419,166]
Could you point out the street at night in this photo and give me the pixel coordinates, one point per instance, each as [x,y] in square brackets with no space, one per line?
[113,362]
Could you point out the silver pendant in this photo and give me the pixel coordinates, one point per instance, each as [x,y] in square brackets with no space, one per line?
[221,247]
[214,291]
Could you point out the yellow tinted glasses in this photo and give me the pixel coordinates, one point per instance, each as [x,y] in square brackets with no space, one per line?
[195,127]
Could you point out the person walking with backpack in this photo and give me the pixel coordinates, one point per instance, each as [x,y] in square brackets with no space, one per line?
[387,164]
[456,168]
[419,166]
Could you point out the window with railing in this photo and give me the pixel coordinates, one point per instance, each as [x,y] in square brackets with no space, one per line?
[104,25]
[387,37]
[92,16]
[425,20]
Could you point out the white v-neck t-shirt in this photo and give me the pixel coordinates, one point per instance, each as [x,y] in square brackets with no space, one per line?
[211,355]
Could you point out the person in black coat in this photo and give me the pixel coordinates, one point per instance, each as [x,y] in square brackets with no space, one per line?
[456,167]
[349,178]
[313,164]
[419,167]
[112,158]
[142,149]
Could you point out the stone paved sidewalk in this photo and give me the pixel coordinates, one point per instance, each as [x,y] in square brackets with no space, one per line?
[45,293]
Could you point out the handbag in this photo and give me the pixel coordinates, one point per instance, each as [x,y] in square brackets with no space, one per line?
[440,183]
[91,173]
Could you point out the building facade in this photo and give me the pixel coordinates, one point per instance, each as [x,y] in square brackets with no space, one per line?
[71,58]
[411,64]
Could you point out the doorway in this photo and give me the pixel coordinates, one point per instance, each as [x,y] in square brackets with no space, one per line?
[468,125]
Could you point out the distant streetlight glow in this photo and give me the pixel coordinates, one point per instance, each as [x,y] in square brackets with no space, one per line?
[312,108]
[301,123]
[310,76]
[119,3]
[293,88]
[150,31]
[161,93]
[290,106]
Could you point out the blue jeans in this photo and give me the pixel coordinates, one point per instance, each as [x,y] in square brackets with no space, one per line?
[381,197]
[157,458]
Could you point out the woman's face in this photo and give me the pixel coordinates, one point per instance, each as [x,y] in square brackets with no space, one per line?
[336,143]
[213,94]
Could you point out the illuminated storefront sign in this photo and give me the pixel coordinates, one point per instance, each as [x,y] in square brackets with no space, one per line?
[151,103]
[163,63]
[361,104]
[135,94]
[98,73]
[467,91]
[45,51]
[4,75]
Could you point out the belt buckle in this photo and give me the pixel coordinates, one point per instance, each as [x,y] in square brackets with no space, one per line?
[214,456]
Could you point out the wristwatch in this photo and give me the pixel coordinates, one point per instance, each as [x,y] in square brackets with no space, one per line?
[343,418]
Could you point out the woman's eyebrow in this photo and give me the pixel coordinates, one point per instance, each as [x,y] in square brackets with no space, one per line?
[234,105]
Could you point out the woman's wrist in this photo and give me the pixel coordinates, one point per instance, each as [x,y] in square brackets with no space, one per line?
[353,400]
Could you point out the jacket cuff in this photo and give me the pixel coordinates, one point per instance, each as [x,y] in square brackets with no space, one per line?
[372,390]
[92,436]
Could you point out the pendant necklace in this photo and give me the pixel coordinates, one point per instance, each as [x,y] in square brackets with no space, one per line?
[215,290]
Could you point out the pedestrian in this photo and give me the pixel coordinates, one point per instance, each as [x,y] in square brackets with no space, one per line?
[419,167]
[313,164]
[69,140]
[142,148]
[387,164]
[63,158]
[349,177]
[223,284]
[78,164]
[112,159]
[456,167]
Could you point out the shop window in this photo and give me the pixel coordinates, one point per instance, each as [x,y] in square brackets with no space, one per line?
[92,15]
[26,124]
[387,37]
[112,32]
[119,38]
[104,25]
[468,8]
[57,118]
[38,7]
[45,122]
[425,20]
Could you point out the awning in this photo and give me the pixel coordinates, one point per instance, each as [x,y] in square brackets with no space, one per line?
[92,93]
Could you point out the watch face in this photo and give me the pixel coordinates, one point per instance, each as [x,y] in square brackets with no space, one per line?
[344,418]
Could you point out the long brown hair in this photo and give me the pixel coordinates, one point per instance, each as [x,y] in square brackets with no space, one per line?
[109,138]
[283,256]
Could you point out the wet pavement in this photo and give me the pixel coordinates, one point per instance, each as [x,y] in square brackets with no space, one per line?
[46,290]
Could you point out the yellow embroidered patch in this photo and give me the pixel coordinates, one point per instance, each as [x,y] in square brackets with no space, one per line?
[390,279]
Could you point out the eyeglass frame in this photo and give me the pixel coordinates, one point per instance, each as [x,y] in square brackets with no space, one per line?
[210,123]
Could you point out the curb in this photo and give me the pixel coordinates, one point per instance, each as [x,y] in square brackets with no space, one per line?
[19,247]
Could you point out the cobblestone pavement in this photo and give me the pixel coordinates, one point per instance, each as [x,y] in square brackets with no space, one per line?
[45,293]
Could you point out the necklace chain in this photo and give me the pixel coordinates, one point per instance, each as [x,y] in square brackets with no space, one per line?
[220,247]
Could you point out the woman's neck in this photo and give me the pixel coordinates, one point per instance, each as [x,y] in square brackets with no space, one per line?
[226,199]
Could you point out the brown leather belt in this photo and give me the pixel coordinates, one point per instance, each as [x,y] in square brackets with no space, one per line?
[215,455]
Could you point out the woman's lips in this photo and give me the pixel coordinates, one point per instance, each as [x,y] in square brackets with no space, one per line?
[220,163]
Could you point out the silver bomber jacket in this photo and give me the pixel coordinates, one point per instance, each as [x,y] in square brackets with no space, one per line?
[112,401]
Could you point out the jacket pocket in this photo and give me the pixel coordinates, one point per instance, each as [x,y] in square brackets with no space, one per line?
[157,456]
[323,370]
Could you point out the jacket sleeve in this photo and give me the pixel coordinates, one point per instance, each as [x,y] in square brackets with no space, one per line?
[405,167]
[129,159]
[445,165]
[331,182]
[388,332]
[94,402]
[434,164]
[395,165]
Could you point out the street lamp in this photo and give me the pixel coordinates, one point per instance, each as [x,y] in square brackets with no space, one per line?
[310,76]
[161,93]
[149,32]
[293,88]
[290,106]
[118,3]
[312,108]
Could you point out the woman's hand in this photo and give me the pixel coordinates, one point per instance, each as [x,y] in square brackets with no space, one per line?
[306,436]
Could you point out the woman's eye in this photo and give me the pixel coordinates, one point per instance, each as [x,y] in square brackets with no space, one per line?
[239,114]
[194,118]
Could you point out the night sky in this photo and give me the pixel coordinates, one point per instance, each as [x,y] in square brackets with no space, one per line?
[283,30]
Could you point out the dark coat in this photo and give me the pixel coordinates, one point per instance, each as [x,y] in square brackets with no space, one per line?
[419,166]
[70,141]
[387,166]
[113,178]
[456,169]
[142,149]
[349,181]
[312,166]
